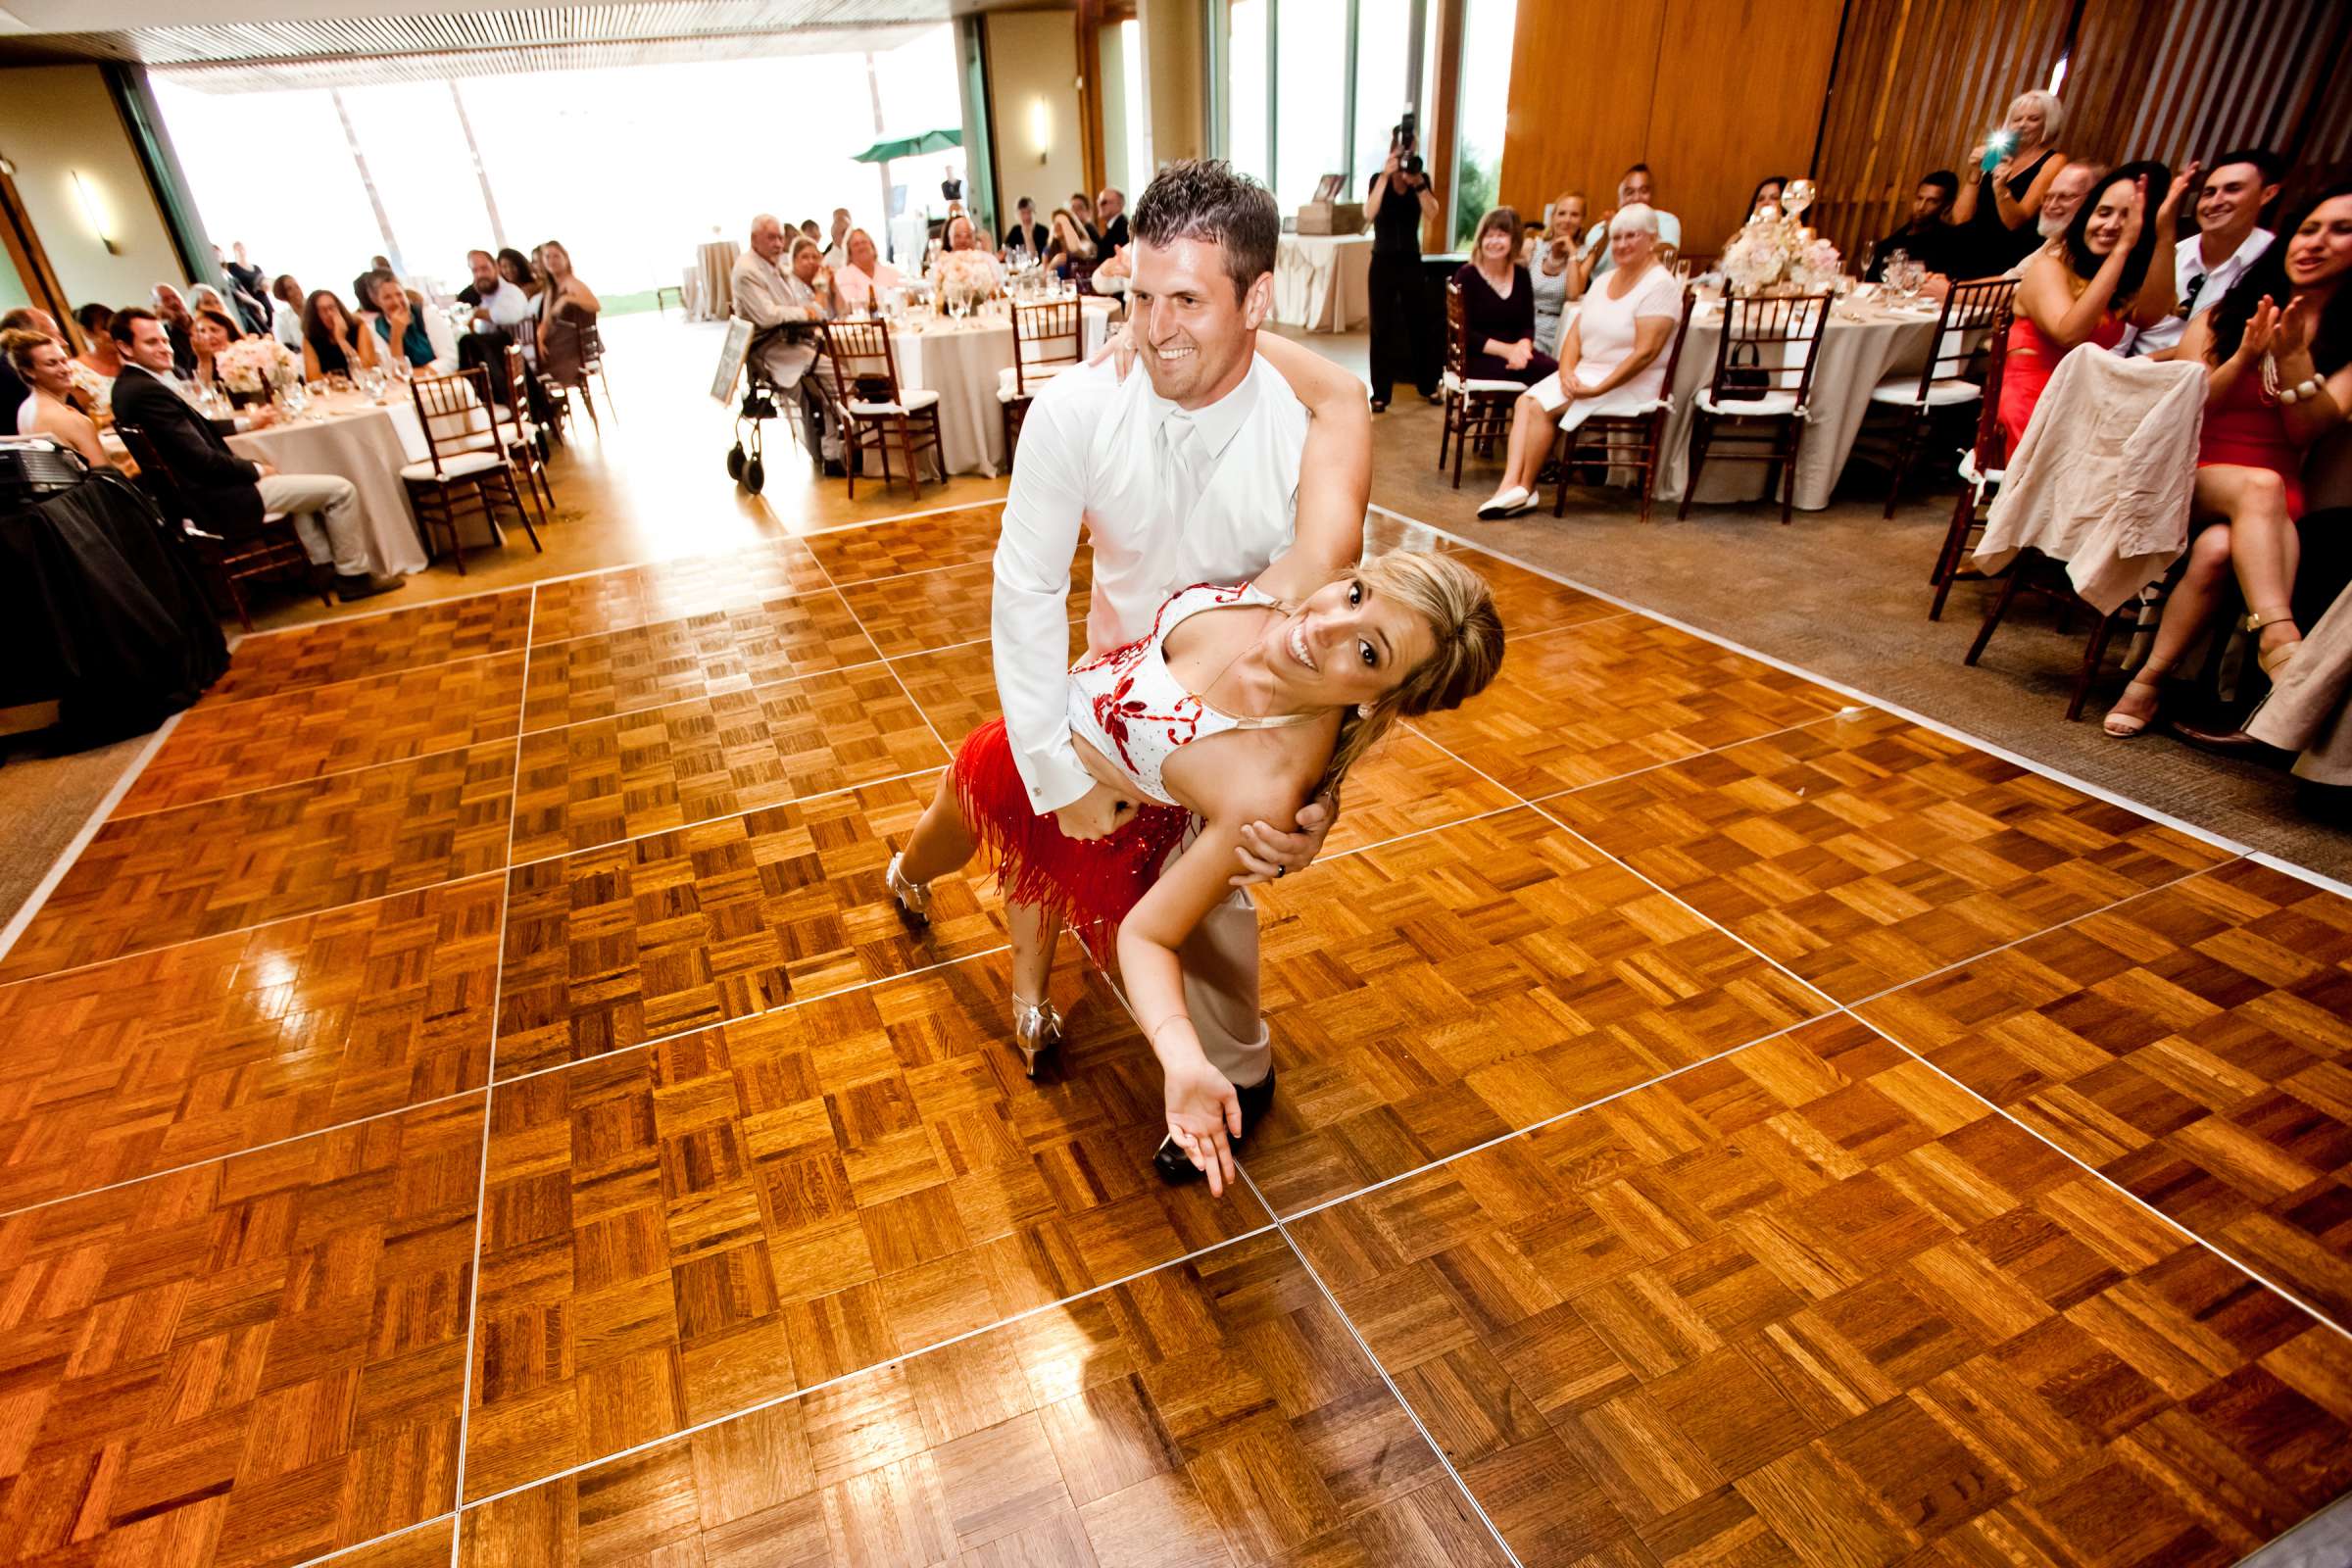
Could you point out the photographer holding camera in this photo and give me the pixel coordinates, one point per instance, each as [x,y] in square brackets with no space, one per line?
[1399,200]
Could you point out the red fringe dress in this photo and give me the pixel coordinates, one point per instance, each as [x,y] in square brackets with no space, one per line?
[1129,707]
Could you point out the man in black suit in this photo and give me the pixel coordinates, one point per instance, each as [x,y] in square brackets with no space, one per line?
[1111,211]
[231,494]
[1026,233]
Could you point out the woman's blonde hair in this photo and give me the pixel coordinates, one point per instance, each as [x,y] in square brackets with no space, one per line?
[1075,240]
[2053,112]
[18,344]
[1465,628]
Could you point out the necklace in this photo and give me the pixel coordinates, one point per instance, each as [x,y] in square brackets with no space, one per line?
[1283,611]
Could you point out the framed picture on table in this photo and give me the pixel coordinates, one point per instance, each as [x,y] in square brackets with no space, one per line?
[1329,187]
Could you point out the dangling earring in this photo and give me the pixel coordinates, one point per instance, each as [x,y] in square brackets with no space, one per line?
[1364,709]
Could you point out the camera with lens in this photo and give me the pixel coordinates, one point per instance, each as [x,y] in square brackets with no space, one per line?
[1404,137]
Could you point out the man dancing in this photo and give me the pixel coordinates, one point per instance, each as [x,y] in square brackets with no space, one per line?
[1188,473]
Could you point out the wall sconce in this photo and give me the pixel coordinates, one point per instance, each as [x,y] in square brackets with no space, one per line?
[1041,128]
[90,209]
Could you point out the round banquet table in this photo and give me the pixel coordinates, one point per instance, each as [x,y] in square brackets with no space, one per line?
[1323,282]
[368,444]
[962,362]
[1861,346]
[714,264]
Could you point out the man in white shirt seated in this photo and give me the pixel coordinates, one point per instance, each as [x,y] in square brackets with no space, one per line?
[1635,188]
[1185,475]
[770,296]
[497,302]
[2230,239]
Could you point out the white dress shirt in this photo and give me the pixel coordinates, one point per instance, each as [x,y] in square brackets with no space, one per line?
[2188,266]
[1169,499]
[285,325]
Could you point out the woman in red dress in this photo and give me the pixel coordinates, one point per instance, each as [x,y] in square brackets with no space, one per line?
[2279,378]
[2115,271]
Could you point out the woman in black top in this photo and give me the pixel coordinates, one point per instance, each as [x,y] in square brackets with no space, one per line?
[1499,307]
[332,344]
[1401,332]
[1995,215]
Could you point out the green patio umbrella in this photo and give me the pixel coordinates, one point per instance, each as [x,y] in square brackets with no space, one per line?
[930,141]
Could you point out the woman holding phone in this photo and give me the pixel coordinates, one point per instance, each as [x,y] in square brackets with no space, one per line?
[2016,165]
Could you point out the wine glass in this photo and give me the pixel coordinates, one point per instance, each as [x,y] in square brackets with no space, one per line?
[1796,197]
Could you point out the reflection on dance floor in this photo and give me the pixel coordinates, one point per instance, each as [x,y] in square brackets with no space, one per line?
[475,1071]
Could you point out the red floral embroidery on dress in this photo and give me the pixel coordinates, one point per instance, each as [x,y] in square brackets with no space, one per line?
[1117,709]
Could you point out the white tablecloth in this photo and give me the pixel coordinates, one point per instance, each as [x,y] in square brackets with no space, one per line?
[961,362]
[714,263]
[368,445]
[1855,356]
[1323,282]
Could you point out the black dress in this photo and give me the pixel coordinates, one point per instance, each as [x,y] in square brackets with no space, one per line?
[1487,315]
[1406,322]
[1987,246]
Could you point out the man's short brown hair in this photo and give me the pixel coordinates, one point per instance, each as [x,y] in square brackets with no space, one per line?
[1203,199]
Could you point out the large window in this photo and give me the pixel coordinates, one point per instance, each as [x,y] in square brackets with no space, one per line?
[1246,85]
[1486,90]
[1383,42]
[592,158]
[1311,98]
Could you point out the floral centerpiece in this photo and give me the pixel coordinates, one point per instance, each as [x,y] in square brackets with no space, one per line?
[253,367]
[1774,251]
[966,277]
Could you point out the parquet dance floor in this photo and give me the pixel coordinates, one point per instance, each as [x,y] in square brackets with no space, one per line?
[470,1103]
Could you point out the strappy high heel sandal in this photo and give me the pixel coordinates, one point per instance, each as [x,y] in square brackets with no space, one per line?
[914,898]
[2122,726]
[1035,1032]
[2280,656]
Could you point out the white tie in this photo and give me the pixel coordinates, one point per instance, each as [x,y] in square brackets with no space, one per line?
[1180,461]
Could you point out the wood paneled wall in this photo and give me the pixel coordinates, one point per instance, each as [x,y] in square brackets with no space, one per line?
[1713,94]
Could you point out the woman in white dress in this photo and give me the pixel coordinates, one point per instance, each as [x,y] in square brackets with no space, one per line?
[1611,358]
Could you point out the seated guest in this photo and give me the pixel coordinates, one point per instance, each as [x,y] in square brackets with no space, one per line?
[1083,210]
[203,297]
[96,367]
[1110,212]
[1611,359]
[2115,271]
[516,269]
[855,284]
[1635,190]
[1026,235]
[1993,217]
[2280,377]
[1555,275]
[2231,238]
[171,309]
[1926,238]
[565,291]
[396,325]
[231,494]
[497,301]
[768,295]
[960,255]
[1070,247]
[332,344]
[1767,194]
[286,305]
[40,363]
[213,333]
[1499,307]
[837,240]
[14,388]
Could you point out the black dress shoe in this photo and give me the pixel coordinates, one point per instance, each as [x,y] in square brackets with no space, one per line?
[1170,1162]
[2227,743]
[359,585]
[1380,405]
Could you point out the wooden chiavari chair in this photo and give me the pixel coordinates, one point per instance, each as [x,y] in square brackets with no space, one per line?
[875,407]
[1476,409]
[1624,440]
[1760,406]
[1974,314]
[460,473]
[274,551]
[1047,337]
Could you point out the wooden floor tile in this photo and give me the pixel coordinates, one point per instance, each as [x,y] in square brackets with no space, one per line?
[425,1547]
[957,687]
[1815,1304]
[211,1048]
[675,1233]
[254,1361]
[720,920]
[672,590]
[940,609]
[198,870]
[1865,852]
[2196,1045]
[1408,785]
[663,767]
[1213,1412]
[608,673]
[1591,701]
[1431,993]
[374,645]
[903,545]
[317,730]
[1530,602]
